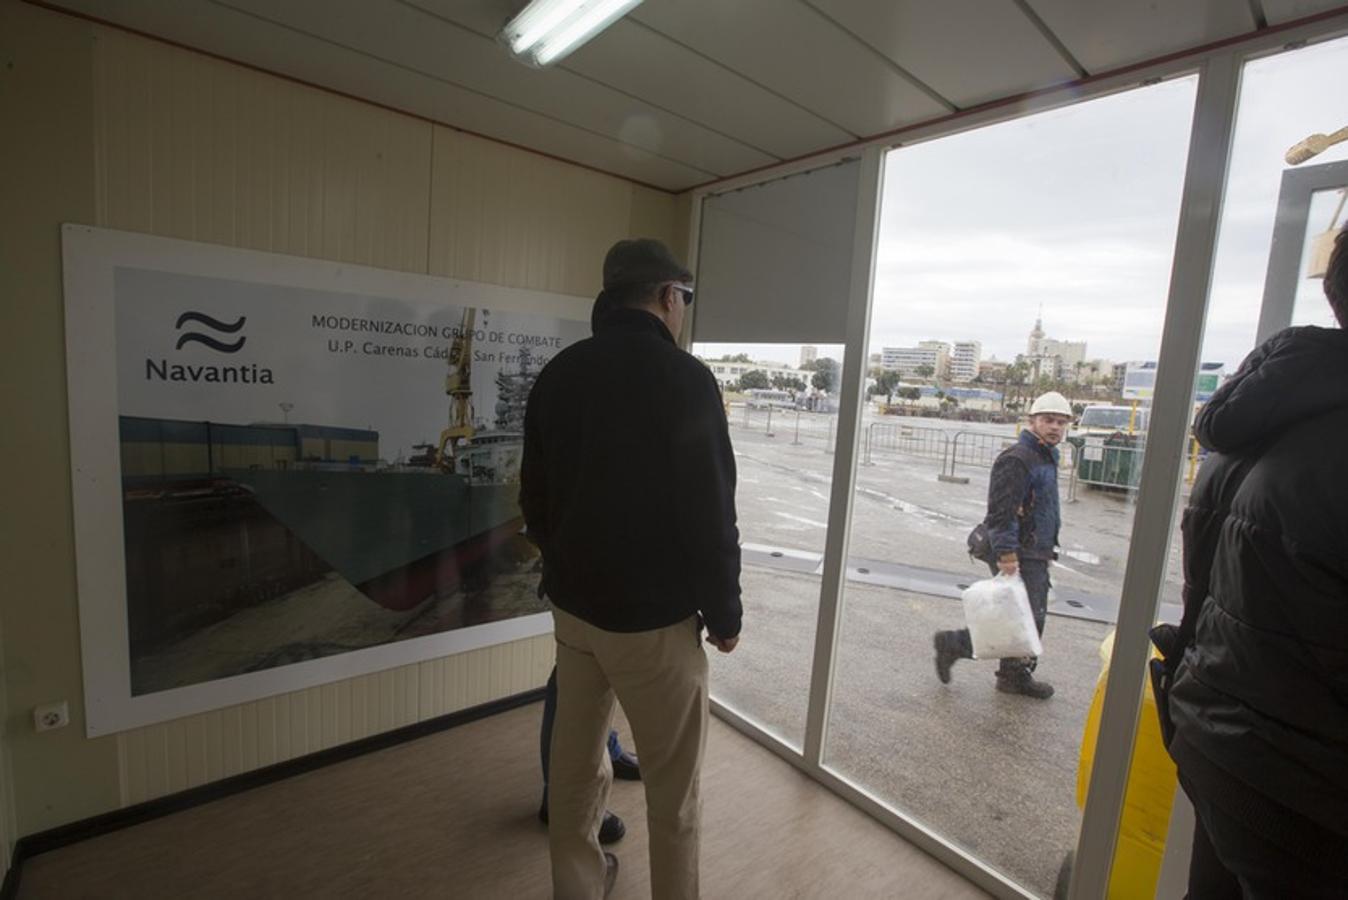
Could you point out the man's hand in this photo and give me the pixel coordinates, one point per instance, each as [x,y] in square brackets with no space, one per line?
[725,645]
[1008,564]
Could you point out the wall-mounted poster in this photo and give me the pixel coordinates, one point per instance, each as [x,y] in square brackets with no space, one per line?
[289,471]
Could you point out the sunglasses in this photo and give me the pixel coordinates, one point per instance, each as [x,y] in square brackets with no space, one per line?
[686,291]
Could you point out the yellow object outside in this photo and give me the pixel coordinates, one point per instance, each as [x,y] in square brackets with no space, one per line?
[1147,799]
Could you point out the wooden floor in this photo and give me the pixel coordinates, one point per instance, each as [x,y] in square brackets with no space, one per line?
[453,815]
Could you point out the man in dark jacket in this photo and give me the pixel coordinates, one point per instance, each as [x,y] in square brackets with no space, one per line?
[1260,699]
[628,488]
[1022,523]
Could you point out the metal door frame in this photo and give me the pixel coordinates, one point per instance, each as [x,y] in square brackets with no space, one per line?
[1289,239]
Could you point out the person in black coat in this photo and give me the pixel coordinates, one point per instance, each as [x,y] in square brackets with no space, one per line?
[627,486]
[1259,703]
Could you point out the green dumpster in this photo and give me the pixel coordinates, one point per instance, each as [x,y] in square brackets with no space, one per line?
[1113,461]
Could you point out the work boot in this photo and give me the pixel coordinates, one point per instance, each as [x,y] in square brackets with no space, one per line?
[611,829]
[627,767]
[946,654]
[1021,681]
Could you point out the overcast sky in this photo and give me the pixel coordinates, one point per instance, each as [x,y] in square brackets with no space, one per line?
[1076,210]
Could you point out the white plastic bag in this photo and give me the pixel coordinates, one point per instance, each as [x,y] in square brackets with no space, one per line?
[997,611]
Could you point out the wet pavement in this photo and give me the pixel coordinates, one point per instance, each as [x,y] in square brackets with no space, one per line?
[995,773]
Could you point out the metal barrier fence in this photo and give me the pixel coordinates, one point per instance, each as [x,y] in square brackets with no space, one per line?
[961,448]
[798,424]
[912,440]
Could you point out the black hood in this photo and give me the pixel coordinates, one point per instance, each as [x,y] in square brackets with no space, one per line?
[1297,374]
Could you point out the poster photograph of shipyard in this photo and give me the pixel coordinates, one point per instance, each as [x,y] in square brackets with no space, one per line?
[307,473]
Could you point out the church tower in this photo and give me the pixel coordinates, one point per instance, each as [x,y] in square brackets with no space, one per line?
[1036,343]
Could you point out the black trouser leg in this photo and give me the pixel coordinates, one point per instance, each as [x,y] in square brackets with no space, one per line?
[1208,878]
[1236,857]
[1034,572]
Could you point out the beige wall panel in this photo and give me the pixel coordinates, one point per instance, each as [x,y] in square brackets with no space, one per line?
[46,178]
[653,216]
[173,756]
[683,216]
[520,219]
[6,773]
[197,148]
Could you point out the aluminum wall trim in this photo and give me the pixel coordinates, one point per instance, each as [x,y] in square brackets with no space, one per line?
[865,235]
[1289,237]
[694,246]
[1177,367]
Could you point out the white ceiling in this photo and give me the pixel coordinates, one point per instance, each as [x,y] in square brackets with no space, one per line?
[683,92]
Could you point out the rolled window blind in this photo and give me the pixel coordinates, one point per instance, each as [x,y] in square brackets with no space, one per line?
[774,259]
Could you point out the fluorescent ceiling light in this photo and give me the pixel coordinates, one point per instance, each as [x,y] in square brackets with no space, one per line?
[547,30]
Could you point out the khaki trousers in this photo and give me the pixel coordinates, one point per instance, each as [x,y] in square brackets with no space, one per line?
[660,678]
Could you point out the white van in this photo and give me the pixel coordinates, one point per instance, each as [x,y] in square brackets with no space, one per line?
[1112,420]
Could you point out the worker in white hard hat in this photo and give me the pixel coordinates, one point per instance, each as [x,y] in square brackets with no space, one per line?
[1022,536]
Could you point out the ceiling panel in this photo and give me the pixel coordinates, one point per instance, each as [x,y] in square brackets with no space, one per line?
[787,47]
[951,46]
[1279,11]
[397,32]
[226,32]
[640,62]
[685,91]
[1108,34]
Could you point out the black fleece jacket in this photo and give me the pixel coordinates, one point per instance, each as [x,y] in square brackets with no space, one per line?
[628,482]
[1260,700]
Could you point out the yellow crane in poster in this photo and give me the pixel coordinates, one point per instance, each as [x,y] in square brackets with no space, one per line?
[459,387]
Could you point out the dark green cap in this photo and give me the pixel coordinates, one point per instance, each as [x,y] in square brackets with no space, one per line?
[642,261]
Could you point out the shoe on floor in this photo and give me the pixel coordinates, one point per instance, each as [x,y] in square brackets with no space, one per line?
[611,829]
[1024,683]
[626,767]
[610,873]
[946,654]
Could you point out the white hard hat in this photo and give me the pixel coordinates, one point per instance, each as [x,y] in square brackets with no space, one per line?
[1051,402]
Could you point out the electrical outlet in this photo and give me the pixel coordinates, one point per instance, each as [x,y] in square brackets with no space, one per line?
[51,715]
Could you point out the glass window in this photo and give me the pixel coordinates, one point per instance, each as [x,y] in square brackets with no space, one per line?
[1014,260]
[782,411]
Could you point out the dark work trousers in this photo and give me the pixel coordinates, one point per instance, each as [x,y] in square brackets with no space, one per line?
[1034,572]
[1232,861]
[615,749]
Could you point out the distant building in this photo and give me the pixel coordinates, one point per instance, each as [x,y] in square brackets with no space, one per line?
[808,355]
[908,360]
[1093,370]
[942,349]
[1034,347]
[1067,353]
[964,360]
[1051,358]
[993,371]
[728,374]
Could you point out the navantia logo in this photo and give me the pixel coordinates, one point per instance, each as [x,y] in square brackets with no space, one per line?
[221,328]
[218,340]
